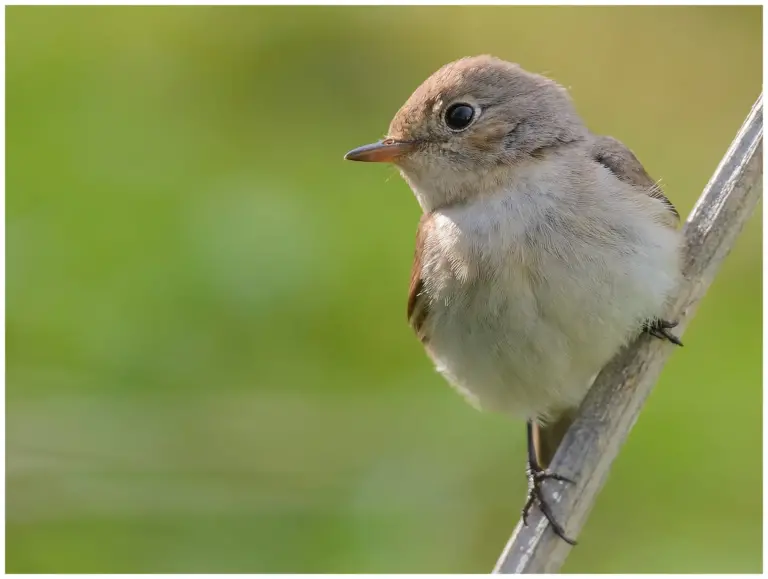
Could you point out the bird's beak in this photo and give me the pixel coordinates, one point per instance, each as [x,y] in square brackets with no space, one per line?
[386,151]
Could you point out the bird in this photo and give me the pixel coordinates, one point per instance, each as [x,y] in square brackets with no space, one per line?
[542,248]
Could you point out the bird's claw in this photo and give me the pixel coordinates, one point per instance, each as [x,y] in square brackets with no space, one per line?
[660,329]
[535,496]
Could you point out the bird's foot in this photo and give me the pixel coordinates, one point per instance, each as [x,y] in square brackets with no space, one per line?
[536,475]
[660,329]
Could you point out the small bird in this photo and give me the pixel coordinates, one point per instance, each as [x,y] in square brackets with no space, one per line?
[542,249]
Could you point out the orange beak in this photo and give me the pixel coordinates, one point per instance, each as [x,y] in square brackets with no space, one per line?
[386,151]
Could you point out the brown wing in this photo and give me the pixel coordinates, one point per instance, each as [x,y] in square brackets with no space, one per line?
[620,161]
[417,301]
[617,158]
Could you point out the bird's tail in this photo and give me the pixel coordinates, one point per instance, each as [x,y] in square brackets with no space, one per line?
[547,437]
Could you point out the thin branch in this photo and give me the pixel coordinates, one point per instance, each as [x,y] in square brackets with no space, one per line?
[612,405]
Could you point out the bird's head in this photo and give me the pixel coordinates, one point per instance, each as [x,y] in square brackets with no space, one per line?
[468,123]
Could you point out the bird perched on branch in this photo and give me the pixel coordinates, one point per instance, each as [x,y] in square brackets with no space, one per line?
[541,251]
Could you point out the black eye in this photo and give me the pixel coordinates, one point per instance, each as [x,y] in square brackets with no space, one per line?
[458,116]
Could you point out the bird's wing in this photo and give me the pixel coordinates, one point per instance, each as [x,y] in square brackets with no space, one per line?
[619,160]
[418,306]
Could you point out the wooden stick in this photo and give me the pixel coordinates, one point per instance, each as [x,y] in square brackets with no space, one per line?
[612,405]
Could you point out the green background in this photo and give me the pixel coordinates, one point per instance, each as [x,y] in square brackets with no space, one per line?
[208,363]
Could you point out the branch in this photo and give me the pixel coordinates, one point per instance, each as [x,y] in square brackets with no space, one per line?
[612,405]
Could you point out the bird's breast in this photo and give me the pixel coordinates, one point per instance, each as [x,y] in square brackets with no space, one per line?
[524,307]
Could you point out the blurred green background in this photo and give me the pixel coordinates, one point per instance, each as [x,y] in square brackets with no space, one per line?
[208,363]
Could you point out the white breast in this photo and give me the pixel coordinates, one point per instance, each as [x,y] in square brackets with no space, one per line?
[532,289]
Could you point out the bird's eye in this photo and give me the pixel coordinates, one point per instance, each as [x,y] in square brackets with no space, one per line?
[459,116]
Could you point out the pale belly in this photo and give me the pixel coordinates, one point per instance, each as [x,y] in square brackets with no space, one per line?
[528,341]
[506,355]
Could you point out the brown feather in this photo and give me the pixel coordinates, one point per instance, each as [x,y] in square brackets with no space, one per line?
[417,302]
[619,160]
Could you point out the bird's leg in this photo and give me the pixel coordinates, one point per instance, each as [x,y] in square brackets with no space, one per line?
[660,329]
[537,474]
